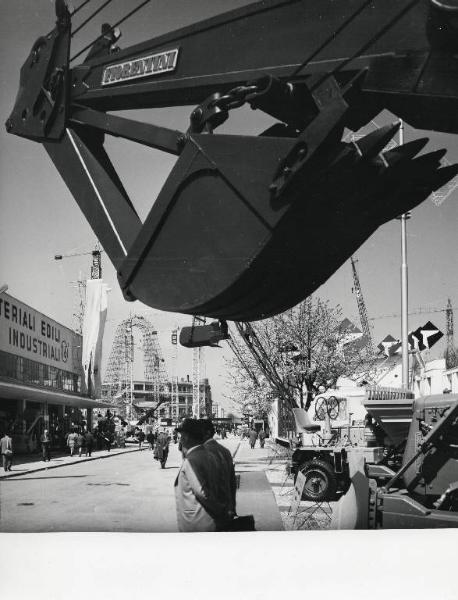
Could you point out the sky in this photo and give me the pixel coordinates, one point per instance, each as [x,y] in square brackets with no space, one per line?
[39,217]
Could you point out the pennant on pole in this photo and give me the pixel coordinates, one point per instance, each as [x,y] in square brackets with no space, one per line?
[389,345]
[93,328]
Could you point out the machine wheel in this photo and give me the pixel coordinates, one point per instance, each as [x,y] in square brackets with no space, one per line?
[320,481]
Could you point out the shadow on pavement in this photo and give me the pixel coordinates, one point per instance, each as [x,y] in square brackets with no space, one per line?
[13,479]
[108,483]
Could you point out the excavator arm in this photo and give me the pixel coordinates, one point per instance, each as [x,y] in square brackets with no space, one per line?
[233,233]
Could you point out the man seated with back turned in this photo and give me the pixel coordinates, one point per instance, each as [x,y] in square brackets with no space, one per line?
[226,486]
[198,505]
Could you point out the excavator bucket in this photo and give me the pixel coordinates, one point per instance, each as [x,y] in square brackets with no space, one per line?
[242,253]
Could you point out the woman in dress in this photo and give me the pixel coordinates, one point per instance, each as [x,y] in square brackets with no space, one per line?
[72,441]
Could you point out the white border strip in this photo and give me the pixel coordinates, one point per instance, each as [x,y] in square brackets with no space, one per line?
[96,191]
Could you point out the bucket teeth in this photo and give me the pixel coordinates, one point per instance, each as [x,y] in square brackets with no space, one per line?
[408,187]
[419,171]
[405,152]
[431,159]
[444,175]
[373,143]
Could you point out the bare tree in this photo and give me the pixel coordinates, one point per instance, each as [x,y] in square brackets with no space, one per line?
[307,347]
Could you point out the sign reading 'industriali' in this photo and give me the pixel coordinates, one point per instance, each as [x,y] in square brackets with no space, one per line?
[28,333]
[154,64]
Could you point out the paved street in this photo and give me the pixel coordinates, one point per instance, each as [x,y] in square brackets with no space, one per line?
[129,492]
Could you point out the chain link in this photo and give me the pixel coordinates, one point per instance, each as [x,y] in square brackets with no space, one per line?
[235,97]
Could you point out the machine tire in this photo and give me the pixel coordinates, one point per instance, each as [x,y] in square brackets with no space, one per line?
[321,481]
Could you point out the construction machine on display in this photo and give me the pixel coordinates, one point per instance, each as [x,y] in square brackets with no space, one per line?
[397,470]
[236,231]
[423,492]
[371,423]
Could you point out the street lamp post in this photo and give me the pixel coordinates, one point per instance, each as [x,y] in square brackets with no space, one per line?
[404,304]
[404,289]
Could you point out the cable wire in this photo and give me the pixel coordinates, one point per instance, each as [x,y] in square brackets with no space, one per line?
[79,7]
[331,37]
[96,12]
[368,44]
[132,12]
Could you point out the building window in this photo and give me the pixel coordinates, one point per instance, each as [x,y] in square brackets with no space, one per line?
[34,373]
[138,386]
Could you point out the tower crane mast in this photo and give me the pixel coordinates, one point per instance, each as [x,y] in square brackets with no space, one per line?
[96,273]
[362,308]
[450,352]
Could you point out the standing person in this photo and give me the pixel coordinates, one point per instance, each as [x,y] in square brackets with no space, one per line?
[72,441]
[226,485]
[162,447]
[196,505]
[106,436]
[89,442]
[262,437]
[6,449]
[46,446]
[140,438]
[81,441]
[150,439]
[253,435]
[122,437]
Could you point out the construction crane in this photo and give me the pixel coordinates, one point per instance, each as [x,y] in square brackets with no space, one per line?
[450,352]
[361,308]
[417,311]
[96,273]
[238,353]
[96,267]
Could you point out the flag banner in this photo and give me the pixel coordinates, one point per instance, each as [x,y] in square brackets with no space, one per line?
[353,340]
[350,333]
[424,337]
[389,345]
[93,328]
[413,340]
[430,334]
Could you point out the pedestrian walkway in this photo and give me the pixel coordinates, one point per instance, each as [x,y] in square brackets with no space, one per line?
[306,515]
[32,463]
[255,495]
